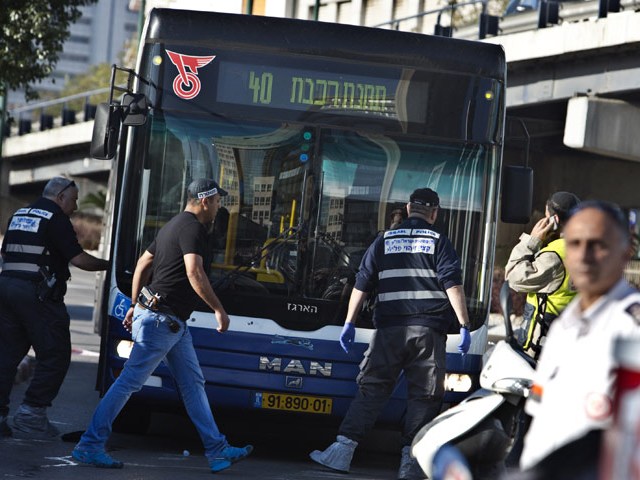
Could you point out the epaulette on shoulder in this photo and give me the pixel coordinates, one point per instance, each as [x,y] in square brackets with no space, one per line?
[634,311]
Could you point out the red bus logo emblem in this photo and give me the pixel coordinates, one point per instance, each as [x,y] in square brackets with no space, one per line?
[187,84]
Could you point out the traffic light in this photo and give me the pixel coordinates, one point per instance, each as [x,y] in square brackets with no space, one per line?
[306,145]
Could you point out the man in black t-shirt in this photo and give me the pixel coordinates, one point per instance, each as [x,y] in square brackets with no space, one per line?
[174,261]
[38,246]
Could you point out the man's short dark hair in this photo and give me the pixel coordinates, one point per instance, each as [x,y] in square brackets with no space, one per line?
[561,203]
[610,209]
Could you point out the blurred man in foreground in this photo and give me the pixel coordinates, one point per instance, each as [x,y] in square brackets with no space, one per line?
[571,401]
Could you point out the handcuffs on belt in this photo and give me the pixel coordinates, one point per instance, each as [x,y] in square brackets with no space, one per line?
[153,301]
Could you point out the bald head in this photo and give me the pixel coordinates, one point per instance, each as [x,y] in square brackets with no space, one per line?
[598,249]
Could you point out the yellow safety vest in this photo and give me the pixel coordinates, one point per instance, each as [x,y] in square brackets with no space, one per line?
[557,300]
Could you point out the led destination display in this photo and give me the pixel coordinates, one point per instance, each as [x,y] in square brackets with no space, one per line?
[299,89]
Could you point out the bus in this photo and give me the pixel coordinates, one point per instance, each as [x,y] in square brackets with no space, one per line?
[318,132]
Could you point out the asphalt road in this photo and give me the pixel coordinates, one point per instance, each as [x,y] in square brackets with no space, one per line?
[281,449]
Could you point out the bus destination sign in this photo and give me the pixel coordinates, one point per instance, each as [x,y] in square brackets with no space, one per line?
[299,89]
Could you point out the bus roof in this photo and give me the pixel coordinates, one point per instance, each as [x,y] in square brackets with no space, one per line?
[305,37]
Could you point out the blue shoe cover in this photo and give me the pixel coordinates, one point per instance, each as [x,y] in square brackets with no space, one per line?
[98,459]
[219,464]
[235,454]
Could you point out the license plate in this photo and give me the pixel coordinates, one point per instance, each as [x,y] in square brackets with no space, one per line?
[293,403]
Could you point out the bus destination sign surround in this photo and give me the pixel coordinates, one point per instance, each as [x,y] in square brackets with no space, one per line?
[299,89]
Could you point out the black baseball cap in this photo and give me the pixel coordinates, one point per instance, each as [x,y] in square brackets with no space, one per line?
[205,187]
[426,197]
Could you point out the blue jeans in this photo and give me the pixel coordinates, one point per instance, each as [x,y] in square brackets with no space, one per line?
[154,342]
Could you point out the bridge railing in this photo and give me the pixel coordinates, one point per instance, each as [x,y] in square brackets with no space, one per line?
[45,115]
[518,16]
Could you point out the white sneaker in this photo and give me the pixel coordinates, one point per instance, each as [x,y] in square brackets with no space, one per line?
[338,456]
[409,467]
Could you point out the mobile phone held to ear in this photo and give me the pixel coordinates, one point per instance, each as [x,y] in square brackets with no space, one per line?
[554,222]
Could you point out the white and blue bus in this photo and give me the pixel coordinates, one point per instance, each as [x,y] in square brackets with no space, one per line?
[318,132]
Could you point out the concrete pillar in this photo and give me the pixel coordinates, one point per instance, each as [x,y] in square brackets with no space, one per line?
[604,126]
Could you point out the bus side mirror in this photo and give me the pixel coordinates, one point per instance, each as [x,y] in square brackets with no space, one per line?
[134,109]
[506,305]
[517,194]
[106,129]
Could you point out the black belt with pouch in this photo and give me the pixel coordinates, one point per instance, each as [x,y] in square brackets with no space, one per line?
[50,288]
[154,302]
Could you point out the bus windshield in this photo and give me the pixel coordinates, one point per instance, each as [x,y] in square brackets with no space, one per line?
[304,203]
[319,133]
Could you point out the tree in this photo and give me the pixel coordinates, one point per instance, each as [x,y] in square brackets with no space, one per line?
[97,76]
[33,33]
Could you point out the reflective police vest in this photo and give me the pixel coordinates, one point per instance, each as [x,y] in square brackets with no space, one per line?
[407,278]
[560,298]
[24,244]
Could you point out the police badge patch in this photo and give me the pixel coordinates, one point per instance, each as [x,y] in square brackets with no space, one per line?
[634,311]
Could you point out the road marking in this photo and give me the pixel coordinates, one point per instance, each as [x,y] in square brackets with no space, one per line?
[86,353]
[66,462]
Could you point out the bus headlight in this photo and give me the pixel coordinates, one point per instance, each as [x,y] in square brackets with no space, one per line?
[124,348]
[457,382]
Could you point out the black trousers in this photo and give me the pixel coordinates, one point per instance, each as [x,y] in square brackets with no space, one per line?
[27,322]
[419,352]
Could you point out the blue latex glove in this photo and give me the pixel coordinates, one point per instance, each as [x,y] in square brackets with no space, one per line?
[448,462]
[465,340]
[347,336]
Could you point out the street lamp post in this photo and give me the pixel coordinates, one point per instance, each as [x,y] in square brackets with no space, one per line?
[141,13]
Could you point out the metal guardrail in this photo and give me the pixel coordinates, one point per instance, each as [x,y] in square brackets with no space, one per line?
[529,19]
[33,117]
[395,23]
[545,14]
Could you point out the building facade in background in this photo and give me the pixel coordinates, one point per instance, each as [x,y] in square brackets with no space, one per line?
[99,36]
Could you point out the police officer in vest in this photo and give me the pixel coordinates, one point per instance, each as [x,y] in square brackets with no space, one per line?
[418,278]
[38,246]
[536,266]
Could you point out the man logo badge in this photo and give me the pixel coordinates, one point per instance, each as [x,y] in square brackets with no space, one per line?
[293,382]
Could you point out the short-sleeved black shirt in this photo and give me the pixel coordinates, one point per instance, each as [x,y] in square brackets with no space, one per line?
[183,234]
[60,238]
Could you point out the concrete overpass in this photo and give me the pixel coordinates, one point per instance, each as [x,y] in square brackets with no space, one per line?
[30,160]
[575,87]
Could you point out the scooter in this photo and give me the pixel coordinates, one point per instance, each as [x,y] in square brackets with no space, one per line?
[485,426]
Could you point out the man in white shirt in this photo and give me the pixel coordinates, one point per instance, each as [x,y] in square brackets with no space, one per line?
[571,401]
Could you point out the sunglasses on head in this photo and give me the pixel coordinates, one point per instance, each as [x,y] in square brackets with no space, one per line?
[70,184]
